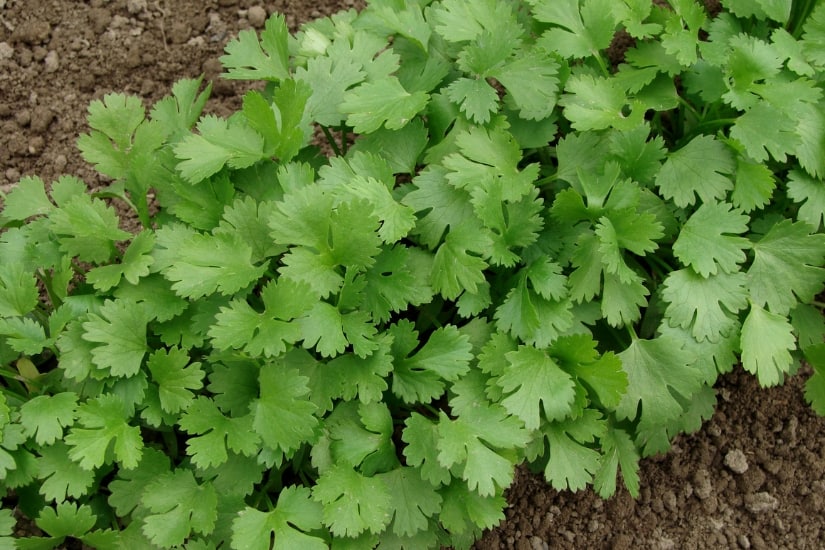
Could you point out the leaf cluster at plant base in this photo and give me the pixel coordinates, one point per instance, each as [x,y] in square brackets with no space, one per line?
[526,254]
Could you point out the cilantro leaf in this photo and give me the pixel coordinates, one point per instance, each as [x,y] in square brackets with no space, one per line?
[534,383]
[580,29]
[284,396]
[598,103]
[421,436]
[203,264]
[382,103]
[24,335]
[701,167]
[218,143]
[469,445]
[175,377]
[811,194]
[62,477]
[18,290]
[455,269]
[815,386]
[475,97]
[120,329]
[706,305]
[572,461]
[178,506]
[215,433]
[421,376]
[87,228]
[704,242]
[105,422]
[364,377]
[286,525]
[466,511]
[353,503]
[788,252]
[329,78]
[248,59]
[531,80]
[135,264]
[658,371]
[618,451]
[66,520]
[767,340]
[753,187]
[45,416]
[413,500]
[27,199]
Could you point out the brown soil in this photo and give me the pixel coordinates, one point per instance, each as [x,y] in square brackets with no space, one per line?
[754,477]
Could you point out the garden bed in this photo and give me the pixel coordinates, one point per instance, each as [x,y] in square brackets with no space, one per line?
[754,477]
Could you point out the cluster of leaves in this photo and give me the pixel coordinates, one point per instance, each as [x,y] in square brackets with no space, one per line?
[526,254]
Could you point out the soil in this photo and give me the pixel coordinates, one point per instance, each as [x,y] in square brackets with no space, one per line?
[753,477]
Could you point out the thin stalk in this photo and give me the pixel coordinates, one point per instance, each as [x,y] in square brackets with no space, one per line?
[331,141]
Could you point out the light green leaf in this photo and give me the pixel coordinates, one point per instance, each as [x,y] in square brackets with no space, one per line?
[120,329]
[705,242]
[283,528]
[248,59]
[384,102]
[791,254]
[767,340]
[700,168]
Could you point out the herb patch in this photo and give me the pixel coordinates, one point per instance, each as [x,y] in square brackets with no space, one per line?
[513,262]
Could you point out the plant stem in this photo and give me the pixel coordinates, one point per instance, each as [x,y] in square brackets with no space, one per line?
[331,140]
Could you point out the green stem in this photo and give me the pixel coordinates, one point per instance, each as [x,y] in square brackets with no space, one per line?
[344,140]
[632,332]
[331,140]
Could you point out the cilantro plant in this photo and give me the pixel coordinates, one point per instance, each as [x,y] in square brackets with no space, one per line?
[520,250]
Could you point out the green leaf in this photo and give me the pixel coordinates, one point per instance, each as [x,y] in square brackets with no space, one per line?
[660,376]
[87,228]
[815,386]
[283,528]
[18,290]
[61,477]
[791,254]
[708,306]
[179,506]
[26,199]
[767,340]
[283,414]
[120,331]
[135,264]
[531,80]
[753,187]
[175,377]
[618,451]
[413,500]
[598,103]
[203,264]
[248,59]
[105,422]
[421,436]
[353,503]
[24,335]
[466,511]
[700,168]
[457,266]
[580,29]
[470,447]
[534,383]
[705,242]
[572,461]
[364,378]
[215,433]
[128,486]
[381,103]
[811,194]
[219,143]
[602,376]
[475,97]
[45,416]
[66,520]
[329,79]
[421,376]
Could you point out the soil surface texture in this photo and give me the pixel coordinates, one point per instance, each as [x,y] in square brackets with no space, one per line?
[753,477]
